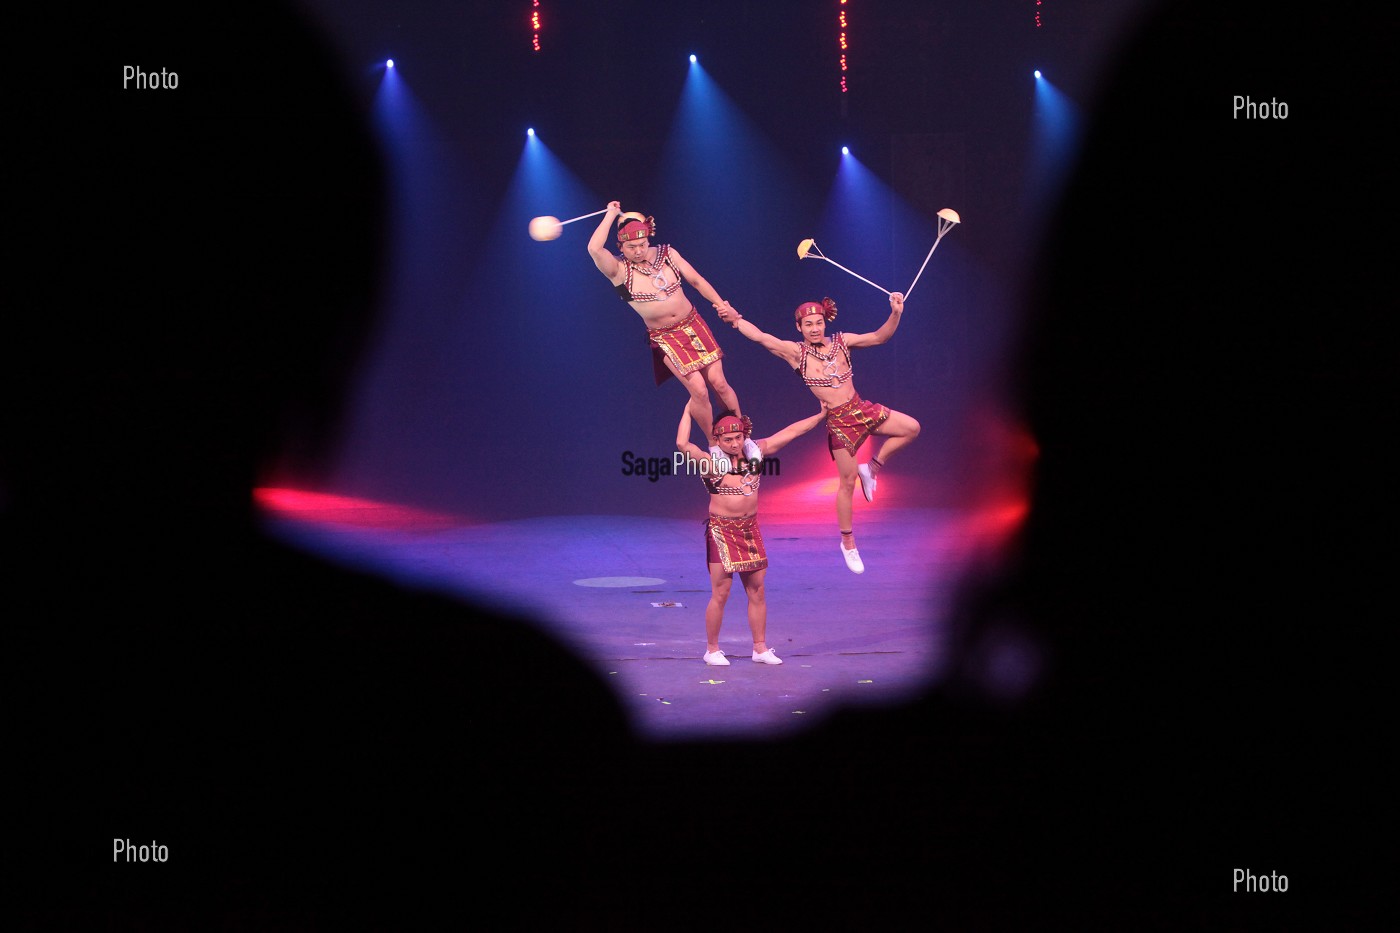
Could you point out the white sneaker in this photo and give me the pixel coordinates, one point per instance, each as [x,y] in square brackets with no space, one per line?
[853,561]
[722,464]
[751,451]
[716,658]
[867,482]
[767,657]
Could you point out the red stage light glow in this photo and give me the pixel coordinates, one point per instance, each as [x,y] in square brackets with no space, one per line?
[304,505]
[535,24]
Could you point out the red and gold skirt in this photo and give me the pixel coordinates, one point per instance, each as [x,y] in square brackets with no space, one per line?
[736,543]
[850,423]
[688,344]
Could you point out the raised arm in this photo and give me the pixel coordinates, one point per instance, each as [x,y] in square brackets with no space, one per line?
[781,439]
[683,443]
[787,350]
[876,337]
[598,246]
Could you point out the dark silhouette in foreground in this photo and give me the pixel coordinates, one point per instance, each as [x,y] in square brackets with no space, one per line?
[316,746]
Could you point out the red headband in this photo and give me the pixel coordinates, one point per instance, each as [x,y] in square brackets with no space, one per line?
[731,423]
[636,228]
[826,309]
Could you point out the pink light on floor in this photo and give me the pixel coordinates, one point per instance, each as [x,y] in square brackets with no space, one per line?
[304,505]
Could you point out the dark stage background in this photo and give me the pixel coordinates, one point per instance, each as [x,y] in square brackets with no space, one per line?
[208,284]
[738,158]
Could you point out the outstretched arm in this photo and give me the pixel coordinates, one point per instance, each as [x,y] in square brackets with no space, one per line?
[876,337]
[771,445]
[598,243]
[683,443]
[696,280]
[784,349]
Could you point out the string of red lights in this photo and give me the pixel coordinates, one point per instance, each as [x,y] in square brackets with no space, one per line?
[535,24]
[842,21]
[1038,21]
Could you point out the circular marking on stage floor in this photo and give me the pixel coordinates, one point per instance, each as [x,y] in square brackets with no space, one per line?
[619,581]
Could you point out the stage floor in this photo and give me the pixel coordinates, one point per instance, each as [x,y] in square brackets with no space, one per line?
[628,594]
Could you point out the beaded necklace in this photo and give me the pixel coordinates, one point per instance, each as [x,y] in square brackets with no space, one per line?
[746,487]
[653,269]
[831,376]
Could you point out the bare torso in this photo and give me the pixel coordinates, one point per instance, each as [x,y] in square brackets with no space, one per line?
[654,278]
[730,505]
[835,366]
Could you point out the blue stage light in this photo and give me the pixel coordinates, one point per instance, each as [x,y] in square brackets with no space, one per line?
[390,63]
[692,59]
[530,131]
[1037,74]
[845,150]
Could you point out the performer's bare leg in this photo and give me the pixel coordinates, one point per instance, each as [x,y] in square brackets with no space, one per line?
[699,390]
[847,471]
[845,487]
[898,430]
[714,375]
[758,607]
[714,612]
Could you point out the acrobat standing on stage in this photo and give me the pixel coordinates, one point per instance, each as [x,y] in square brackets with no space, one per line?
[824,364]
[733,541]
[649,278]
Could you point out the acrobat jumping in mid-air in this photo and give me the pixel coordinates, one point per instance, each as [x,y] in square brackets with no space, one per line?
[824,364]
[649,278]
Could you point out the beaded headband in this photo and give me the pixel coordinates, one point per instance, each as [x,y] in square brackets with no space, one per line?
[826,309]
[636,227]
[731,423]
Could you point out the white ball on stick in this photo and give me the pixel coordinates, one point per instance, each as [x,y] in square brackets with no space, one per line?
[545,228]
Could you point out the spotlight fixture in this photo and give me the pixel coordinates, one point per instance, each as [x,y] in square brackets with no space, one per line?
[530,131]
[389,63]
[1037,74]
[692,59]
[845,150]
